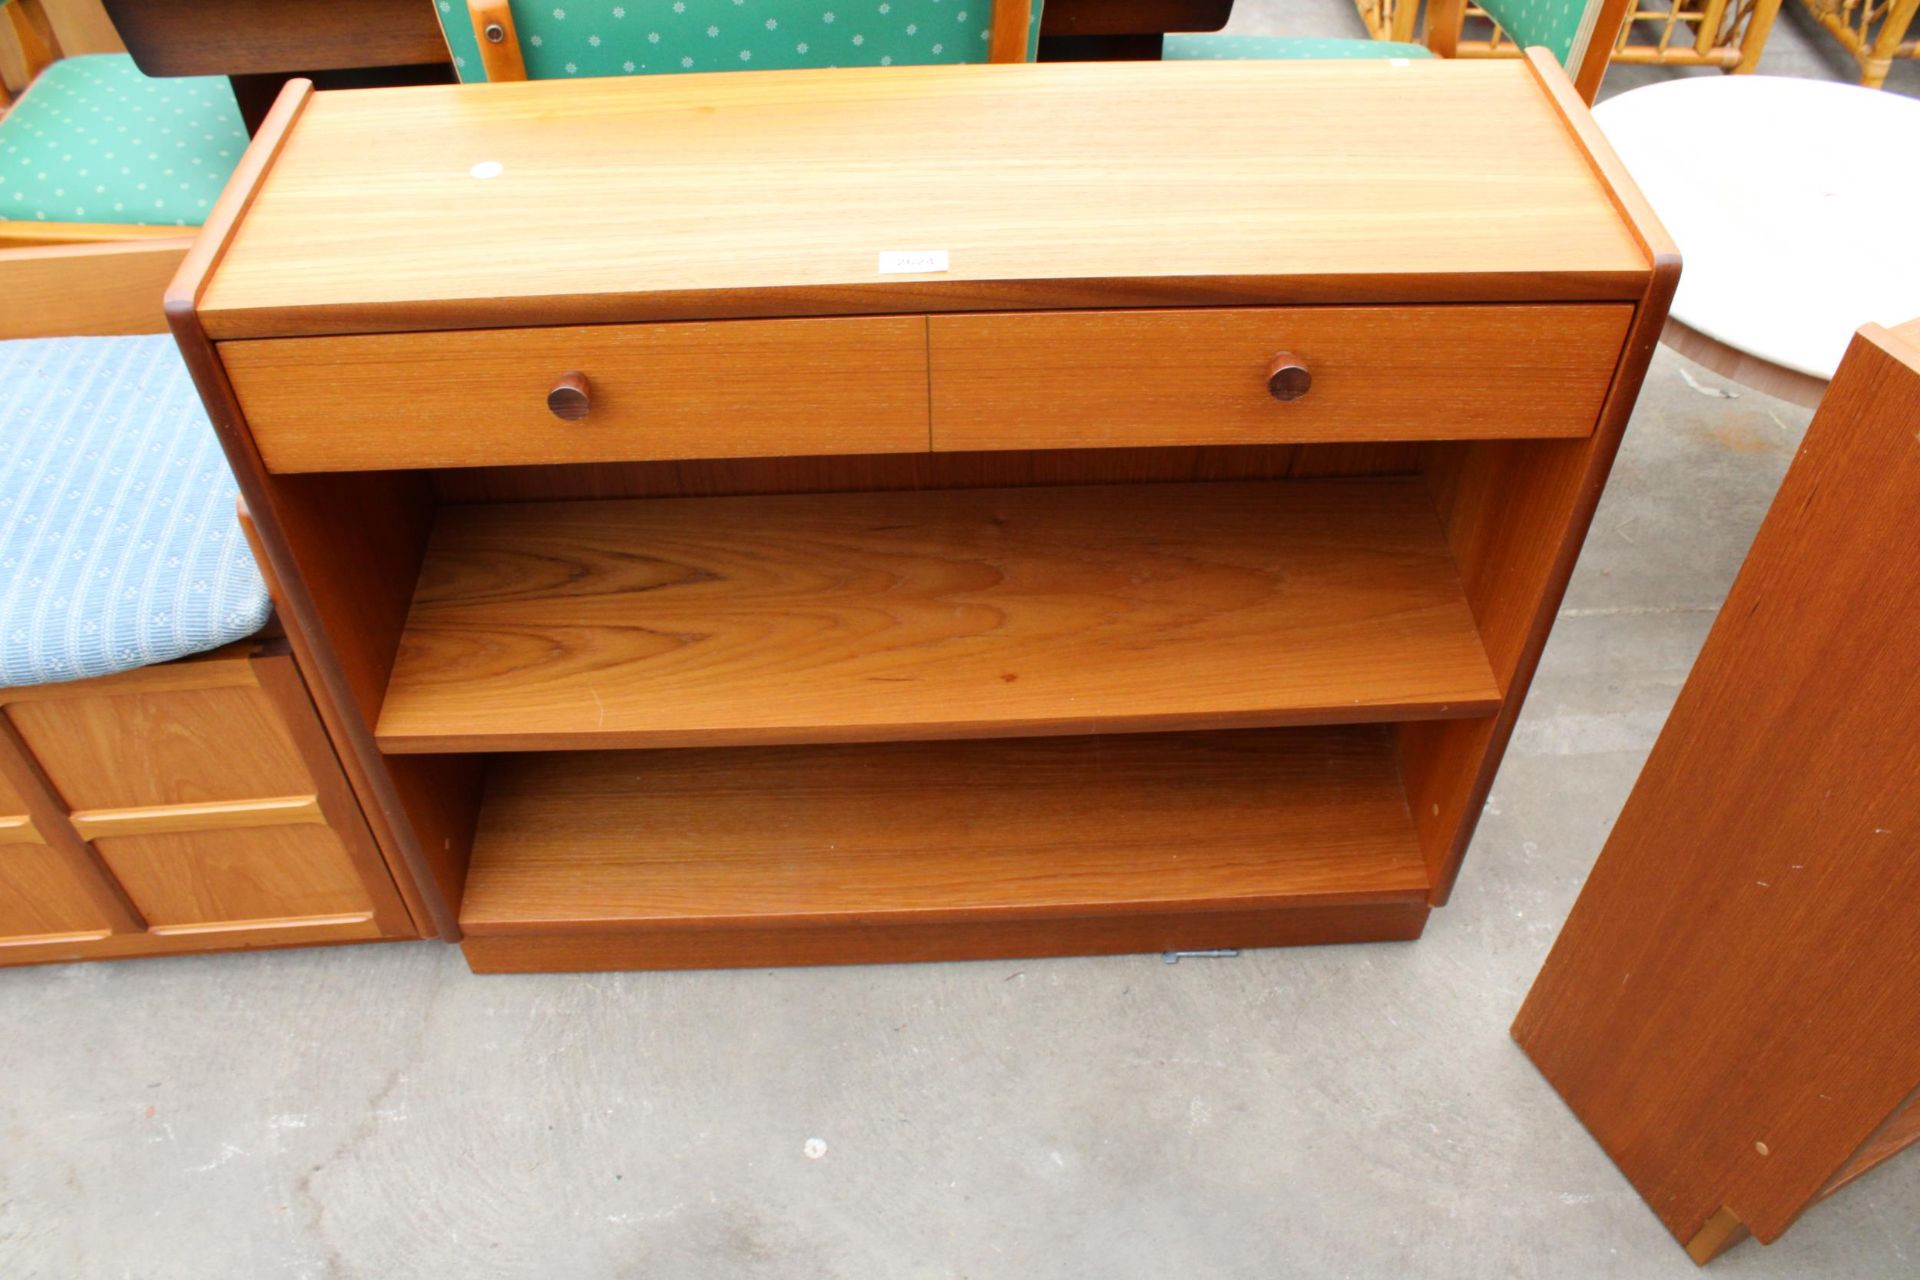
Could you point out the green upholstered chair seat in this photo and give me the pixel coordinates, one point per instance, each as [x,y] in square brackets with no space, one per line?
[93,140]
[561,38]
[1187,48]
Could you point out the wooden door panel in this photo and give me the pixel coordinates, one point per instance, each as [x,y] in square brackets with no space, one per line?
[181,746]
[267,874]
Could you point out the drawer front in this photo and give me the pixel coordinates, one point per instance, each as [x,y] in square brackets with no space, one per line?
[1112,379]
[732,389]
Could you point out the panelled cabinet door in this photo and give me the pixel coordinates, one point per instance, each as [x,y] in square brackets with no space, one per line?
[191,806]
[47,894]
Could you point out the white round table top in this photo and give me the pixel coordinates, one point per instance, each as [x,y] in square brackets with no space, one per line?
[1793,202]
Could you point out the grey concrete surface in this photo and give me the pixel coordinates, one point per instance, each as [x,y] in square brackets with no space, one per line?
[1326,1112]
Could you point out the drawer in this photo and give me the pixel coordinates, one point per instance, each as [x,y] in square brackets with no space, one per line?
[479,397]
[1112,379]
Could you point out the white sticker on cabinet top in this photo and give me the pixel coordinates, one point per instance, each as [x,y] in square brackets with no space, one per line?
[912,262]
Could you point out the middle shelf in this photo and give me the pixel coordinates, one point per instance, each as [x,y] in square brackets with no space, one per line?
[921,615]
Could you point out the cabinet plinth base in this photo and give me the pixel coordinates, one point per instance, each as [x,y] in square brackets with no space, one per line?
[903,943]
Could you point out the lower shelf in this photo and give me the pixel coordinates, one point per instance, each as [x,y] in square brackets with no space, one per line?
[947,850]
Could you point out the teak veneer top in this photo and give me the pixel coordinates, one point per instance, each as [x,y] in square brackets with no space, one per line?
[1090,184]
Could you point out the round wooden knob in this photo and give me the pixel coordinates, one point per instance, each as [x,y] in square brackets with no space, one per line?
[569,398]
[1287,377]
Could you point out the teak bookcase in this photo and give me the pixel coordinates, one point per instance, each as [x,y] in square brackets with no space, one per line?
[1166,572]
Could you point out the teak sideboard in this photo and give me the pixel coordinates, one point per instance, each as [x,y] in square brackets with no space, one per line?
[190,806]
[925,513]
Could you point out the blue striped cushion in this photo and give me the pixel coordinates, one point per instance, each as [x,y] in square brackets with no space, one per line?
[119,546]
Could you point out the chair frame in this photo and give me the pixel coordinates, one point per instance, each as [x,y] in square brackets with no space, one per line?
[500,56]
[1446,17]
[16,235]
[1729,34]
[71,278]
[1852,23]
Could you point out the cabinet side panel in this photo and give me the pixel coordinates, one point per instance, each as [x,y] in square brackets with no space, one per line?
[1516,513]
[342,554]
[1729,1008]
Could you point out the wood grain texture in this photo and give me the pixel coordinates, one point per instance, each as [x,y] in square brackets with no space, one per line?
[274,811]
[1005,938]
[998,469]
[81,27]
[227,667]
[1093,379]
[1516,514]
[37,234]
[942,832]
[72,290]
[281,682]
[176,748]
[1729,1008]
[1900,1131]
[274,935]
[56,883]
[227,877]
[236,37]
[1012,21]
[1091,184]
[739,389]
[973,613]
[44,889]
[345,597]
[344,793]
[499,59]
[205,804]
[1131,17]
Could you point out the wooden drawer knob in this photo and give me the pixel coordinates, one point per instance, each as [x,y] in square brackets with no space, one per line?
[570,397]
[1287,377]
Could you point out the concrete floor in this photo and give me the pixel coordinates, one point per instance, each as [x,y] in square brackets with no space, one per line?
[1352,1111]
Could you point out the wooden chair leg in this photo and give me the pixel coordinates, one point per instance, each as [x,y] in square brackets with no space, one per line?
[1876,62]
[1754,41]
[1444,19]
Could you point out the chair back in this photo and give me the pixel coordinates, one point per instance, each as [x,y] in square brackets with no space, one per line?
[1580,34]
[561,38]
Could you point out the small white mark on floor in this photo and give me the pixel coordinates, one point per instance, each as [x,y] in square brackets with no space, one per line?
[487,169]
[815,1148]
[1717,393]
[227,1152]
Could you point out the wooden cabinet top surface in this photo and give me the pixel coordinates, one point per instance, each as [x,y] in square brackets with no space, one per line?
[1051,185]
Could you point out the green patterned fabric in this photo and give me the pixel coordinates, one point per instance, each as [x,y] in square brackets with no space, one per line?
[560,38]
[1188,48]
[93,140]
[1553,24]
[1562,27]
